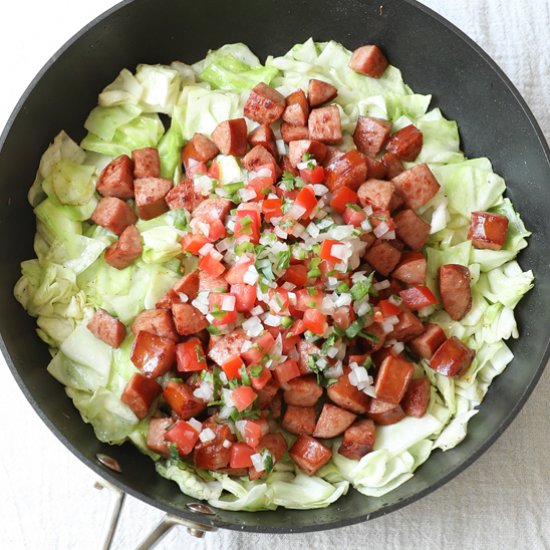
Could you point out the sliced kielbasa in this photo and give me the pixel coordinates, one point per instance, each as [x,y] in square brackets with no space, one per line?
[183,195]
[408,327]
[150,193]
[324,124]
[358,439]
[155,435]
[454,287]
[376,169]
[371,135]
[293,133]
[377,193]
[303,391]
[139,394]
[393,165]
[211,283]
[350,170]
[411,269]
[299,420]
[297,109]
[383,257]
[411,229]
[156,321]
[417,397]
[113,214]
[488,230]
[452,358]
[181,400]
[296,150]
[417,185]
[117,179]
[384,413]
[210,210]
[309,454]
[425,345]
[107,328]
[227,347]
[393,379]
[124,251]
[347,396]
[214,454]
[319,92]
[406,143]
[188,285]
[305,350]
[230,136]
[333,421]
[200,148]
[264,104]
[257,156]
[263,135]
[153,355]
[369,60]
[188,319]
[146,162]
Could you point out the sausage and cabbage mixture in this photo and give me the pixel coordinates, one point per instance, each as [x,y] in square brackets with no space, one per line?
[274,292]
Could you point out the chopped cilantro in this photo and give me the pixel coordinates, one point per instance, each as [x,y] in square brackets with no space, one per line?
[212,329]
[359,290]
[287,322]
[173,450]
[306,156]
[353,206]
[313,268]
[355,328]
[256,371]
[283,259]
[342,287]
[200,354]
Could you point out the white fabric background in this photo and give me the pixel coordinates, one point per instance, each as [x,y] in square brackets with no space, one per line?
[46,496]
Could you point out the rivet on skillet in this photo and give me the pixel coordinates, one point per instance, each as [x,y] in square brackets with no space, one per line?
[109,462]
[200,508]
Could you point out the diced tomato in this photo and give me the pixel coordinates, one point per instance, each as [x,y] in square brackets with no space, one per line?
[278,301]
[296,274]
[260,347]
[388,308]
[239,456]
[252,432]
[235,275]
[342,196]
[258,382]
[253,210]
[196,168]
[307,200]
[307,298]
[286,371]
[222,312]
[193,243]
[417,297]
[190,356]
[232,367]
[210,265]
[183,435]
[216,230]
[354,216]
[315,321]
[380,216]
[261,186]
[247,226]
[313,175]
[214,170]
[271,208]
[243,397]
[327,252]
[245,296]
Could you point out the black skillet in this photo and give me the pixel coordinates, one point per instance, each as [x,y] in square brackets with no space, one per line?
[435,58]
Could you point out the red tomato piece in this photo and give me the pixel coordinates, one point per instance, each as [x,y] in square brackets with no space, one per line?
[353,216]
[193,243]
[296,274]
[327,252]
[252,433]
[210,265]
[307,298]
[245,296]
[183,435]
[417,297]
[259,382]
[388,308]
[315,321]
[268,171]
[286,371]
[214,170]
[240,454]
[222,312]
[342,196]
[260,347]
[246,226]
[216,230]
[243,397]
[190,356]
[235,275]
[278,301]
[261,186]
[271,208]
[307,200]
[195,168]
[232,367]
[313,175]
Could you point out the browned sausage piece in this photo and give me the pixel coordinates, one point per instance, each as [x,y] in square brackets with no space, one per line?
[369,60]
[383,257]
[211,210]
[296,150]
[411,269]
[139,394]
[417,398]
[213,455]
[227,347]
[276,445]
[264,104]
[393,165]
[299,420]
[376,169]
[181,400]
[358,439]
[146,162]
[309,454]
[269,396]
[350,170]
[417,185]
[230,136]
[324,124]
[188,285]
[155,435]
[153,355]
[188,319]
[406,143]
[452,358]
[393,379]
[117,179]
[454,287]
[384,413]
[377,337]
[150,193]
[113,214]
[199,148]
[319,92]
[411,229]
[488,230]
[293,133]
[377,193]
[408,327]
[182,196]
[425,345]
[297,109]
[107,328]
[213,284]
[257,156]
[156,321]
[347,396]
[371,135]
[286,166]
[263,135]
[305,350]
[303,391]
[333,421]
[124,251]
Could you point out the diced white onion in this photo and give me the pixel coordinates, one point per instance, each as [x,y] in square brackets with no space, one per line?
[228,303]
[183,297]
[257,310]
[207,435]
[382,285]
[386,327]
[398,347]
[288,285]
[223,378]
[361,308]
[298,229]
[392,319]
[296,211]
[389,236]
[343,300]
[240,425]
[280,232]
[381,229]
[205,391]
[281,147]
[335,371]
[195,424]
[338,251]
[319,189]
[366,226]
[226,444]
[358,276]
[251,275]
[258,462]
[253,327]
[246,194]
[272,320]
[247,344]
[313,230]
[327,305]
[204,228]
[395,300]
[368,210]
[332,352]
[292,298]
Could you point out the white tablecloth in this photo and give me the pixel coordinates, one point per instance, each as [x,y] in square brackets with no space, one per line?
[502,501]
